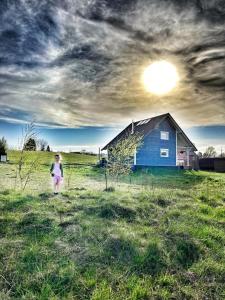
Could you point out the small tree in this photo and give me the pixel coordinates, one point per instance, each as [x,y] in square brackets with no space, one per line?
[209,152]
[27,162]
[200,154]
[42,144]
[121,157]
[48,149]
[3,146]
[30,145]
[222,154]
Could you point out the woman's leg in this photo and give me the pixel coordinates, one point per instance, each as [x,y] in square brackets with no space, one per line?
[57,186]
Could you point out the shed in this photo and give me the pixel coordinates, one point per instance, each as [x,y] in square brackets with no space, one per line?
[3,157]
[216,164]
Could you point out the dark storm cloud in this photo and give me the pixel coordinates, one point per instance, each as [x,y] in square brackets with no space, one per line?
[79,62]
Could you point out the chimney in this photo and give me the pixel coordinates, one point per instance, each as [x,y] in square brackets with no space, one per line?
[132,128]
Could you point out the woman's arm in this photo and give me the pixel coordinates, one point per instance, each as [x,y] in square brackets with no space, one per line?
[61,168]
[52,167]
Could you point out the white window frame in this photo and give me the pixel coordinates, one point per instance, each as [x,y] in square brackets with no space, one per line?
[164,150]
[164,135]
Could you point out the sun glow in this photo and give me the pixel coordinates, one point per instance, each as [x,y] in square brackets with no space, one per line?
[160,77]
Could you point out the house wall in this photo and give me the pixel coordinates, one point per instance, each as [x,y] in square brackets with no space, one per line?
[149,153]
[183,149]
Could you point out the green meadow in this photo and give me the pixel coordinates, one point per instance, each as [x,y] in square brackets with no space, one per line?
[157,234]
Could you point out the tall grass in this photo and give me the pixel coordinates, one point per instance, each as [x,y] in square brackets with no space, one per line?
[159,237]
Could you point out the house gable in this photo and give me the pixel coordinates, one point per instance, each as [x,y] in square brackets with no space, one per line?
[142,127]
[145,127]
[149,154]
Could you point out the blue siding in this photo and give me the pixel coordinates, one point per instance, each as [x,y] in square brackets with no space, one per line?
[149,153]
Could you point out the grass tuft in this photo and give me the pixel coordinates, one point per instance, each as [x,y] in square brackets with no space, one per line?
[115,211]
[153,261]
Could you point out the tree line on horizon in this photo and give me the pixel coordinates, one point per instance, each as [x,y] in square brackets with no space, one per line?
[210,152]
[33,144]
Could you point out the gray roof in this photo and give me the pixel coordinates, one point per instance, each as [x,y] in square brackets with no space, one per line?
[145,126]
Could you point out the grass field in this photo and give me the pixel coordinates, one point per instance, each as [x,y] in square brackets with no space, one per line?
[159,235]
[46,158]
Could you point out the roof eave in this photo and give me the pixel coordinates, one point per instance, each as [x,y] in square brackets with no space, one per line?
[182,132]
[115,138]
[163,117]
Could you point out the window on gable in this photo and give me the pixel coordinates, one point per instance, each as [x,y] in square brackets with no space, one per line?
[143,122]
[164,152]
[164,135]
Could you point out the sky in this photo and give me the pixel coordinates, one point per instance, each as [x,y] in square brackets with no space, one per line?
[75,67]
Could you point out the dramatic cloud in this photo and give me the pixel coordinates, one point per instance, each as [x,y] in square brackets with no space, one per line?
[79,62]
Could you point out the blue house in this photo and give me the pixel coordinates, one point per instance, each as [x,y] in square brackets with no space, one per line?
[164,143]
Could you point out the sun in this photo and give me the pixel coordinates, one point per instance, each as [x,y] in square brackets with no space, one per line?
[160,77]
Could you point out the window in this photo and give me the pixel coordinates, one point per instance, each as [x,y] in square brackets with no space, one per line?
[143,122]
[164,135]
[164,152]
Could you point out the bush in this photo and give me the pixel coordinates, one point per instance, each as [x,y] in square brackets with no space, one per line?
[3,146]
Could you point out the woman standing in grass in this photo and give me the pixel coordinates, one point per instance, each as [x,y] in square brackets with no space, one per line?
[57,173]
